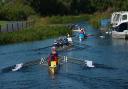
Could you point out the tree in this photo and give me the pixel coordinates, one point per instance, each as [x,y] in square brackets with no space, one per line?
[15,10]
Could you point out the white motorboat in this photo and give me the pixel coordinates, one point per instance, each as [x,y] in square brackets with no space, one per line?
[119,22]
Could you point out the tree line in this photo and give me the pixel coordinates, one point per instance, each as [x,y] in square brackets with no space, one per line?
[22,9]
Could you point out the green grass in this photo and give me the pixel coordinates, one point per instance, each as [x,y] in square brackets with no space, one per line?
[2,23]
[93,19]
[49,27]
[32,34]
[64,19]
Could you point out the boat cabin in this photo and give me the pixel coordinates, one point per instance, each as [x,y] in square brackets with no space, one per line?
[119,21]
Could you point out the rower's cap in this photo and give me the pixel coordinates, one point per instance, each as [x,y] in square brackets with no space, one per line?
[53,48]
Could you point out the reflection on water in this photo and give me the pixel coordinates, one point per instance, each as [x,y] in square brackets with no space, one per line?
[109,55]
[119,42]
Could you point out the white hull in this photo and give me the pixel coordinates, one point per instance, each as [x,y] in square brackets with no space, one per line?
[121,35]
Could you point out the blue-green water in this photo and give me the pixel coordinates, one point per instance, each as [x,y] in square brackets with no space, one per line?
[110,55]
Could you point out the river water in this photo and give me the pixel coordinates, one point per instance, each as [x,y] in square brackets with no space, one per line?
[109,55]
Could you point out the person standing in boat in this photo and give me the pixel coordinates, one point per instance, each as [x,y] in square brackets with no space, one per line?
[53,56]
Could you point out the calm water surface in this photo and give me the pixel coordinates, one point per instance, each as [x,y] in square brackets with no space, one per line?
[110,56]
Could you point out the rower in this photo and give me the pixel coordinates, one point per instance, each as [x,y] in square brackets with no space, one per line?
[56,43]
[60,41]
[82,34]
[65,41]
[69,39]
[53,56]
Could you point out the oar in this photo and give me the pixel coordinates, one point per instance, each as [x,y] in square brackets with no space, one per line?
[78,43]
[76,30]
[16,67]
[25,50]
[41,48]
[86,63]
[90,35]
[19,66]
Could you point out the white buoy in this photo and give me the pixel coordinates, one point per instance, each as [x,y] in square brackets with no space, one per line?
[17,67]
[89,63]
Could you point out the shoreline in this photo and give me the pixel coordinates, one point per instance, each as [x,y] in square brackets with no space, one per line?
[49,27]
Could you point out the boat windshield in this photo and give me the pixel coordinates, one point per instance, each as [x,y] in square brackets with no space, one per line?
[116,17]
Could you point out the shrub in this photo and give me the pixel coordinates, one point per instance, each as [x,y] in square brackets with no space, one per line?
[15,11]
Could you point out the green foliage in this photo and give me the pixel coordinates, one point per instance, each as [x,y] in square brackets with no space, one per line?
[75,7]
[16,10]
[31,34]
[53,25]
[60,7]
[22,9]
[97,17]
[66,19]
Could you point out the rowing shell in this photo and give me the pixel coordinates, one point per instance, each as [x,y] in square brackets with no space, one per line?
[64,47]
[53,68]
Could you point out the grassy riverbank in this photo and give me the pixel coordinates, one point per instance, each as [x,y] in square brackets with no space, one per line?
[65,19]
[45,27]
[32,34]
[48,27]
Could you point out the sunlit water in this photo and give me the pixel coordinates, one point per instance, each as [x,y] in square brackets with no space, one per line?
[110,55]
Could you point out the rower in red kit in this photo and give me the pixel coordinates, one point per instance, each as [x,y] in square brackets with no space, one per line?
[53,56]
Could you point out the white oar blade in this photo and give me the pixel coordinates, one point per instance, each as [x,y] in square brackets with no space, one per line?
[17,67]
[90,64]
[76,30]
